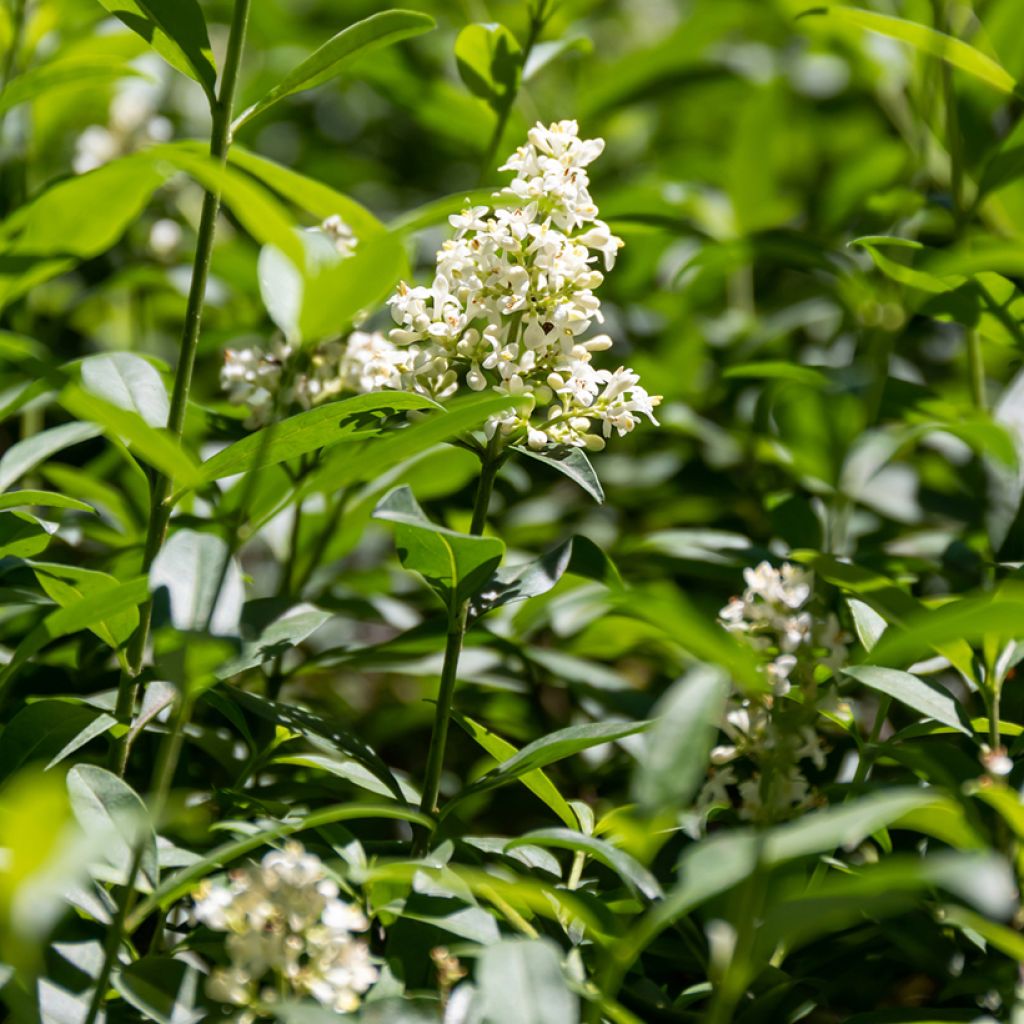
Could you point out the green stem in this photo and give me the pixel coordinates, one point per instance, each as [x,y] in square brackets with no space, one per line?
[160,506]
[14,183]
[953,140]
[867,756]
[976,370]
[538,18]
[453,646]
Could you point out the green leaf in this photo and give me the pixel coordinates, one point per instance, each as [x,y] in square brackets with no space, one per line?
[129,382]
[579,556]
[520,981]
[896,606]
[331,59]
[81,614]
[316,198]
[535,781]
[713,866]
[546,53]
[203,583]
[333,423]
[105,805]
[628,868]
[489,60]
[970,619]
[41,499]
[162,989]
[256,209]
[285,631]
[73,220]
[85,583]
[453,564]
[1006,940]
[176,29]
[181,882]
[154,445]
[914,692]
[315,300]
[44,729]
[22,535]
[573,463]
[351,771]
[678,744]
[928,40]
[46,78]
[556,746]
[320,731]
[23,456]
[771,370]
[459,417]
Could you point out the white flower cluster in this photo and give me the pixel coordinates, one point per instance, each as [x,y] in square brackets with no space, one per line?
[774,735]
[288,934]
[262,379]
[133,119]
[773,616]
[513,297]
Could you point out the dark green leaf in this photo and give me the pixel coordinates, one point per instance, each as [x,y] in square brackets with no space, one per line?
[573,463]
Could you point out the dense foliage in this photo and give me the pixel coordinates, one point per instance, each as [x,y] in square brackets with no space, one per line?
[511,512]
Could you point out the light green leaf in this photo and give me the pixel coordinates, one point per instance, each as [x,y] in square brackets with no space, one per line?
[556,746]
[203,583]
[453,564]
[489,60]
[105,805]
[23,456]
[46,78]
[627,867]
[520,981]
[914,692]
[928,40]
[535,781]
[83,583]
[678,745]
[331,59]
[81,614]
[22,535]
[41,499]
[129,382]
[154,445]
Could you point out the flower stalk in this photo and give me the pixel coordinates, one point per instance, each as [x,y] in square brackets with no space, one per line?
[162,485]
[457,618]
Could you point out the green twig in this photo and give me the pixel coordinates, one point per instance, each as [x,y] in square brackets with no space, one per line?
[457,618]
[160,506]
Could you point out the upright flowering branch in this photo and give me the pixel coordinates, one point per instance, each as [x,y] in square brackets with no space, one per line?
[160,508]
[509,309]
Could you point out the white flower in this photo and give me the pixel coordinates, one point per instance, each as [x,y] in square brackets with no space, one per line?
[340,234]
[513,298]
[286,927]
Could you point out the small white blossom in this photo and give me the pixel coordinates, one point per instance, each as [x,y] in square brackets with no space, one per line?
[287,930]
[512,301]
